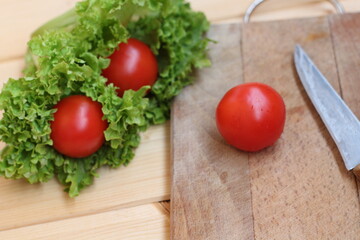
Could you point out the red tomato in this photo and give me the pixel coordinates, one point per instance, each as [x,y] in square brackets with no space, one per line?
[78,128]
[132,66]
[251,116]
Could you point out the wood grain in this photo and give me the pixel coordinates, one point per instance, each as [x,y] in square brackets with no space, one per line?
[20,18]
[210,197]
[142,182]
[346,39]
[24,205]
[277,10]
[10,69]
[300,187]
[144,222]
[164,206]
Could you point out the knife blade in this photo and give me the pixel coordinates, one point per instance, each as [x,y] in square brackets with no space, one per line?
[342,124]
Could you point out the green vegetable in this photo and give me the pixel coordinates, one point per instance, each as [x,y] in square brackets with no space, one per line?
[66,56]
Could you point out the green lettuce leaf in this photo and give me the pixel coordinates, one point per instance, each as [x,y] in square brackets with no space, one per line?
[66,56]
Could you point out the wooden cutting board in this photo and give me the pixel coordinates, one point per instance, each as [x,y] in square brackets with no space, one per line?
[296,189]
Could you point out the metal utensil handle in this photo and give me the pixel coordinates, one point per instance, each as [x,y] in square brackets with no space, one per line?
[339,8]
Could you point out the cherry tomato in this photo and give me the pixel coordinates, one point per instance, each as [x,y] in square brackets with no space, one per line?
[132,66]
[78,128]
[251,116]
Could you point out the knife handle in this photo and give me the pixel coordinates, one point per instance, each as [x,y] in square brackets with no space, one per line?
[356,171]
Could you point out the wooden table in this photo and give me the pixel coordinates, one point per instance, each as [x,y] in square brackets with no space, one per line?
[127,203]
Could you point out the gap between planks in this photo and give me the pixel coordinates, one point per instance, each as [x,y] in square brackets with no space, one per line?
[42,11]
[162,206]
[145,180]
[149,221]
[161,202]
[148,176]
[12,59]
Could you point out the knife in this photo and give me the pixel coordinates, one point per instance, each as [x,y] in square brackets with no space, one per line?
[343,125]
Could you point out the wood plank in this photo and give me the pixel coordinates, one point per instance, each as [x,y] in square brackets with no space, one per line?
[281,10]
[17,21]
[346,38]
[221,11]
[15,26]
[145,180]
[300,187]
[11,69]
[307,10]
[165,206]
[210,196]
[143,222]
[19,18]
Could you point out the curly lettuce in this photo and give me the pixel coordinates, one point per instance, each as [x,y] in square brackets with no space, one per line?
[67,55]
